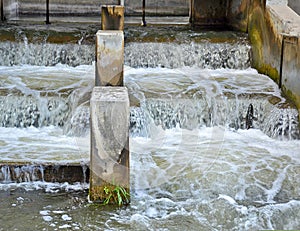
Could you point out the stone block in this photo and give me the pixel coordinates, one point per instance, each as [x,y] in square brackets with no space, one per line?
[109,162]
[109,58]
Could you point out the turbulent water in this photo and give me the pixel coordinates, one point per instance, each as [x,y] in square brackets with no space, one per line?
[194,165]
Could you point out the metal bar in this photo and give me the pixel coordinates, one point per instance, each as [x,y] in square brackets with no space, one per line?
[144,14]
[2,12]
[47,12]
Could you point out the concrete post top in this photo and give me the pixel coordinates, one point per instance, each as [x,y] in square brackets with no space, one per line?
[286,20]
[113,6]
[110,33]
[110,94]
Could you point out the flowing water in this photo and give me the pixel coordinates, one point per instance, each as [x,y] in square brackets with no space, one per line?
[194,165]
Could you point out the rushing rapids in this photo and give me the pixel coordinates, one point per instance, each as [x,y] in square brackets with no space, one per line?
[194,163]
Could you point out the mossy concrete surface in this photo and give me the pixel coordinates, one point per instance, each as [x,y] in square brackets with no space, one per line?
[274,32]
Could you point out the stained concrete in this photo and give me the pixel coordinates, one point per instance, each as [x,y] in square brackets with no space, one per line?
[109,58]
[112,17]
[109,161]
[219,13]
[274,32]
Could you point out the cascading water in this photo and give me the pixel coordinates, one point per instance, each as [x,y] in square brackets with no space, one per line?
[194,165]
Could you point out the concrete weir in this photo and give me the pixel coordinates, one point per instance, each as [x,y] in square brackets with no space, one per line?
[109,162]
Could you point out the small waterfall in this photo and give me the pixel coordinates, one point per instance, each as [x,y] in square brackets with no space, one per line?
[45,54]
[276,122]
[71,110]
[15,173]
[202,55]
[168,55]
[25,173]
[20,111]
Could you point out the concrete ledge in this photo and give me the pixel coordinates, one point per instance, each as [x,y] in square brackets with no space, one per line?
[29,172]
[284,19]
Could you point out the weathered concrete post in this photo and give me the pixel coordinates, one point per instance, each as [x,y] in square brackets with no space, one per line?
[112,17]
[290,76]
[109,163]
[109,58]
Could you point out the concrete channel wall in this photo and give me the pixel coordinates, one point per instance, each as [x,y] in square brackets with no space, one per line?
[274,31]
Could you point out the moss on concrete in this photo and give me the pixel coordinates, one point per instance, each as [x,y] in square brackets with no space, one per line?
[109,194]
[263,41]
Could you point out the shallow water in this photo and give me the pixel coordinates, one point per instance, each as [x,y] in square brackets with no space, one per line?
[203,177]
[194,166]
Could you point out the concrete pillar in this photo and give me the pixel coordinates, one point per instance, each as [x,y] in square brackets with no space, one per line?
[112,17]
[295,5]
[109,162]
[290,76]
[109,58]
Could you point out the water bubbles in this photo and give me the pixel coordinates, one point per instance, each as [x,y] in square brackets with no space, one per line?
[201,55]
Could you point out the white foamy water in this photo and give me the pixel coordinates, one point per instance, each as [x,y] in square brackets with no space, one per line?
[206,176]
[46,144]
[33,88]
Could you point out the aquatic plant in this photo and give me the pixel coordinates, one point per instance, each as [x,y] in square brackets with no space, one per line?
[115,194]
